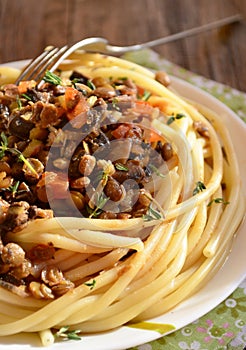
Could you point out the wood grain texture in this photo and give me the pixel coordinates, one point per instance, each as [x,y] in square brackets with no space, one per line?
[27,26]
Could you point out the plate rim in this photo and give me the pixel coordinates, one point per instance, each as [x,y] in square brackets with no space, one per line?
[135,337]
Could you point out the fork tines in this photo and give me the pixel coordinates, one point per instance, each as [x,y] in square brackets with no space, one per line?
[38,66]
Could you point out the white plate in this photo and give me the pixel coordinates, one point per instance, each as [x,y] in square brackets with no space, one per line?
[219,288]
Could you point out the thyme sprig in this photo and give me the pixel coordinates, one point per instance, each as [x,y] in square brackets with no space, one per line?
[19,103]
[156,171]
[107,170]
[175,117]
[121,167]
[102,177]
[100,201]
[3,145]
[199,187]
[152,214]
[14,188]
[52,78]
[66,334]
[217,200]
[91,85]
[5,148]
[27,97]
[146,95]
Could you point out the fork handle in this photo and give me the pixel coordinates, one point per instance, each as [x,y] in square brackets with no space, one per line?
[97,44]
[176,36]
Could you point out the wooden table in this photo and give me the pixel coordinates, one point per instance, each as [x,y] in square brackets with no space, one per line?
[27,26]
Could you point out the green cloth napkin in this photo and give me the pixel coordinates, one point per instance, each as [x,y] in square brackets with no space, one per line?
[223,328]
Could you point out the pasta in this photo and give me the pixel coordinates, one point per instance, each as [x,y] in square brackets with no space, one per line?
[117,260]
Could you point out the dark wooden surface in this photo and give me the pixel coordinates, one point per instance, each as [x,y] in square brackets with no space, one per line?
[27,26]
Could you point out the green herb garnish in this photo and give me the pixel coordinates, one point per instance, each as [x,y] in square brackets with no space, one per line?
[4,147]
[114,104]
[52,78]
[199,188]
[179,116]
[155,170]
[176,117]
[107,170]
[25,161]
[100,201]
[103,176]
[121,167]
[152,214]
[91,85]
[66,334]
[90,284]
[74,82]
[19,104]
[14,188]
[146,95]
[27,97]
[217,200]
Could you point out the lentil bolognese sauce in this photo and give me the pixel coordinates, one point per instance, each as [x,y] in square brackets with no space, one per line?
[113,198]
[98,131]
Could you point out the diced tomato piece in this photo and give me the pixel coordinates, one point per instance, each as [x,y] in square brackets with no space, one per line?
[76,106]
[80,108]
[25,85]
[121,131]
[55,184]
[72,97]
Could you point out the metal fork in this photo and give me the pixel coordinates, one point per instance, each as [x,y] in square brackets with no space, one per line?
[51,57]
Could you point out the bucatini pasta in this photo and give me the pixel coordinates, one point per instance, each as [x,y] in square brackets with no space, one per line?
[119,198]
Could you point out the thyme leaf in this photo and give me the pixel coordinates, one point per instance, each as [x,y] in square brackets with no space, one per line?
[176,117]
[19,104]
[91,85]
[100,201]
[52,78]
[14,188]
[90,284]
[66,334]
[121,167]
[27,97]
[152,214]
[74,82]
[146,95]
[199,187]
[4,147]
[25,161]
[179,116]
[217,200]
[107,170]
[123,78]
[102,176]
[155,170]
